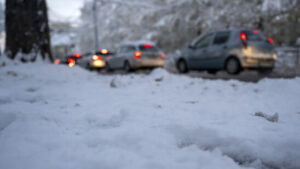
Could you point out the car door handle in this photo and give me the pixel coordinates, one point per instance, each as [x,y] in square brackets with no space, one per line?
[225,47]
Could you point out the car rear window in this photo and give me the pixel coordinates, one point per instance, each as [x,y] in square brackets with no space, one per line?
[221,38]
[252,36]
[145,48]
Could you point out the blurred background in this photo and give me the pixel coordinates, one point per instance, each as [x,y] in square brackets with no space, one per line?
[85,25]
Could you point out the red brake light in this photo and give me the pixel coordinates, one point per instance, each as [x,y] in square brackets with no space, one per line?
[137,55]
[104,51]
[256,31]
[71,60]
[163,55]
[56,61]
[243,36]
[147,45]
[271,40]
[77,55]
[96,57]
[244,39]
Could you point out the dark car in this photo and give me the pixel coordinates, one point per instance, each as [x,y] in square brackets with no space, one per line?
[95,60]
[70,60]
[136,55]
[232,50]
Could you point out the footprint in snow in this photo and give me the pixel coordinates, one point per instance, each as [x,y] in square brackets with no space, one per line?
[5,101]
[113,121]
[32,89]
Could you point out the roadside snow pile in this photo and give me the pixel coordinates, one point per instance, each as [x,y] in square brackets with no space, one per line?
[272,118]
[59,117]
[159,74]
[6,119]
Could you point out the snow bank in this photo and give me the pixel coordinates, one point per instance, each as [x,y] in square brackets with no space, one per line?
[58,117]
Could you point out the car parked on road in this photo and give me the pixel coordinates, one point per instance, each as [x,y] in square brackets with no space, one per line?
[132,56]
[232,50]
[68,60]
[95,60]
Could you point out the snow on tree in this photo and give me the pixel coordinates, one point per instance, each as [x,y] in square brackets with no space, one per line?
[27,30]
[173,24]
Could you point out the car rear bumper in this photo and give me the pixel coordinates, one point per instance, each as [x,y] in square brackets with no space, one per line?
[148,63]
[250,62]
[98,64]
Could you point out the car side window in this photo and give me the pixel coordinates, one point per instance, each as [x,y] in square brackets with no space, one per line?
[221,38]
[204,42]
[130,49]
[119,50]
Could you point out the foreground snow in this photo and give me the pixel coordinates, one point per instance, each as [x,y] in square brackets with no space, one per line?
[56,117]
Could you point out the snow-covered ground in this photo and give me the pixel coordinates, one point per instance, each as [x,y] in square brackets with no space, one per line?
[56,117]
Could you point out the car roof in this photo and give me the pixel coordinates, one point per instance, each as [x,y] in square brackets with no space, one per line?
[138,43]
[230,29]
[220,30]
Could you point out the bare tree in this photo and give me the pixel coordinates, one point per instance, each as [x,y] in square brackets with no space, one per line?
[27,30]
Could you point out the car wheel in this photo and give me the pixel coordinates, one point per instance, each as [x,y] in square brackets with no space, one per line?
[88,66]
[99,70]
[182,66]
[233,66]
[108,68]
[127,67]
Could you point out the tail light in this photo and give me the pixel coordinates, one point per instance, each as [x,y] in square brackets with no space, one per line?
[137,55]
[270,40]
[104,51]
[256,31]
[77,55]
[244,39]
[96,57]
[243,36]
[162,55]
[71,62]
[57,61]
[147,45]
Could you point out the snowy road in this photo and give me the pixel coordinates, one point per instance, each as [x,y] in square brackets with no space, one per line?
[250,76]
[56,117]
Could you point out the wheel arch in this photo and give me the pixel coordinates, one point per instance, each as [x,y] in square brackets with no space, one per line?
[182,59]
[231,57]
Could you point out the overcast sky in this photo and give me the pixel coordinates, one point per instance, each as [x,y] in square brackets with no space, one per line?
[65,8]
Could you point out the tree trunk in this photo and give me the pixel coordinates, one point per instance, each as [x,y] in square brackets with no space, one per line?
[27,30]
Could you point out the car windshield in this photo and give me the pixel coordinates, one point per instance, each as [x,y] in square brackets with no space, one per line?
[149,48]
[254,36]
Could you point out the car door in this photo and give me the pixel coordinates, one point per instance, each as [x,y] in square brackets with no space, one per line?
[125,55]
[200,52]
[113,61]
[219,49]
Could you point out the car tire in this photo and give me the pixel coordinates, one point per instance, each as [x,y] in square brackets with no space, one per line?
[108,68]
[233,66]
[127,68]
[99,70]
[182,66]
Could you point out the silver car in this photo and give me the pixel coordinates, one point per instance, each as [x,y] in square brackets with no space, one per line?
[132,56]
[232,50]
[94,60]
